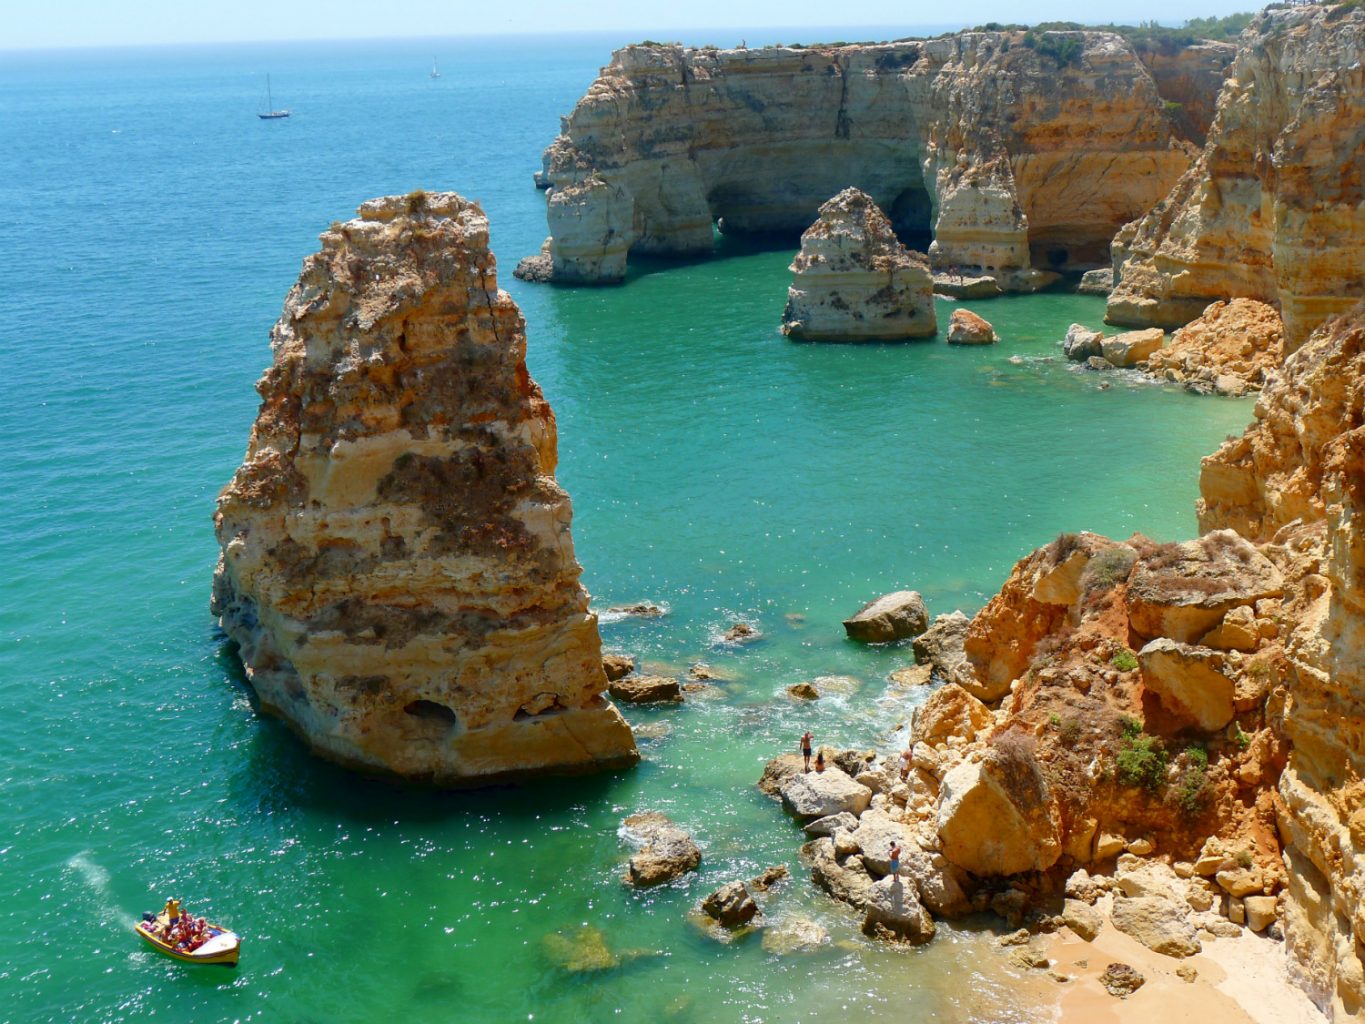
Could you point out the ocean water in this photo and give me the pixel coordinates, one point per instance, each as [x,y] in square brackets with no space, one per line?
[153,226]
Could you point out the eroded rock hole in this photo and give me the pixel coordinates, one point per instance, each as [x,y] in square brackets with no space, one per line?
[430,711]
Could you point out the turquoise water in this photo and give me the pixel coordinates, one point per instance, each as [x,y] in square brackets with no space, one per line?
[153,227]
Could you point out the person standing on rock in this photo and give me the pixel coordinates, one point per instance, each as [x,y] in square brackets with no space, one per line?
[907,759]
[820,762]
[895,860]
[805,749]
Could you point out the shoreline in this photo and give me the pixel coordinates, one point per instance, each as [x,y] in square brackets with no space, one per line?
[1242,980]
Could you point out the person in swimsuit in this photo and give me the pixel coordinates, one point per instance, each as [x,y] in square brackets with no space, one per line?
[906,758]
[805,748]
[820,762]
[895,860]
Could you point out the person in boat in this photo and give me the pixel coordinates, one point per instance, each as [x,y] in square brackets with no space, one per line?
[805,748]
[172,910]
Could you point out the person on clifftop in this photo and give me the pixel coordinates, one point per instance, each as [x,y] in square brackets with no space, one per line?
[805,749]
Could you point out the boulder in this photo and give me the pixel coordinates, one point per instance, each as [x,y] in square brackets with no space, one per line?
[1081,343]
[827,826]
[1189,682]
[959,286]
[1121,981]
[846,880]
[1135,877]
[818,794]
[950,711]
[966,328]
[730,905]
[1097,282]
[794,934]
[996,817]
[640,610]
[1261,912]
[912,676]
[1159,924]
[897,616]
[777,771]
[1132,347]
[938,883]
[665,851]
[803,691]
[617,666]
[1109,845]
[941,647]
[1142,847]
[1238,631]
[1100,364]
[1181,591]
[646,690]
[875,833]
[770,877]
[893,911]
[1082,919]
[1239,881]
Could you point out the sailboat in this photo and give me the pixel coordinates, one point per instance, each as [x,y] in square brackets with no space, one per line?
[270,112]
[435,71]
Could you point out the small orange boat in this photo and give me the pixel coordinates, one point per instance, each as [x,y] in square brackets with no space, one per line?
[221,947]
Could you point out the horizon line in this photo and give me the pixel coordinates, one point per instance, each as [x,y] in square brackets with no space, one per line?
[738,30]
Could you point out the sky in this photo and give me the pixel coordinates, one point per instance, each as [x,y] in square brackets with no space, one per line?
[67,23]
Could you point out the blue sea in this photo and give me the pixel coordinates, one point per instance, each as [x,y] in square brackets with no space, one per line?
[152,226]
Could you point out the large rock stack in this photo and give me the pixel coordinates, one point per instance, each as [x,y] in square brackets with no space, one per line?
[854,281]
[397,569]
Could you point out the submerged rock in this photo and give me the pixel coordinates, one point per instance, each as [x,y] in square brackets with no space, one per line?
[666,851]
[397,570]
[1097,282]
[794,934]
[730,906]
[854,281]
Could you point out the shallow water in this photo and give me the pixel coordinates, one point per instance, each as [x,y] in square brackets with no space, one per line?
[154,226]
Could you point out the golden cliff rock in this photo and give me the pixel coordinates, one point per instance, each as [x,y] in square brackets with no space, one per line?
[1274,209]
[1013,157]
[397,569]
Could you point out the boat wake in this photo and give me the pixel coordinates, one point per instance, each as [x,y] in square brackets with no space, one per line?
[96,879]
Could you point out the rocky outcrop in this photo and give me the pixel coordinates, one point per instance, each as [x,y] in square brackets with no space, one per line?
[966,328]
[1232,348]
[898,616]
[1275,474]
[1008,157]
[854,281]
[819,794]
[397,570]
[1274,209]
[635,689]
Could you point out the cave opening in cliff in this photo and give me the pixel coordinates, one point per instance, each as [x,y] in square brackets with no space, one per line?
[911,214]
[431,711]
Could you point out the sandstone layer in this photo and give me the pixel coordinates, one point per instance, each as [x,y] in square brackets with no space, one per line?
[1010,159]
[1274,208]
[854,281]
[397,569]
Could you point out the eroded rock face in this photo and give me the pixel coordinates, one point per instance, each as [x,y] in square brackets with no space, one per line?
[397,569]
[854,281]
[1274,473]
[1272,210]
[976,138]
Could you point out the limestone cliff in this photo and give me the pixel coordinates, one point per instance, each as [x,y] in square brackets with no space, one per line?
[1232,348]
[1189,79]
[853,280]
[1274,208]
[1009,155]
[397,569]
[1296,479]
